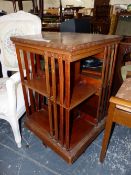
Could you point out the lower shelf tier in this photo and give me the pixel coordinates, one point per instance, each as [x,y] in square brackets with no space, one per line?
[82,134]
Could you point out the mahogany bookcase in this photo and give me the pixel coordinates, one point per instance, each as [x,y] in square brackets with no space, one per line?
[66,106]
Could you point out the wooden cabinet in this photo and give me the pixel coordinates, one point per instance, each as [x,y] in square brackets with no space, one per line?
[101,2]
[101,16]
[66,107]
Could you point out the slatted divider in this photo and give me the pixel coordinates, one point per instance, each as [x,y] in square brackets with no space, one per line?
[48,86]
[61,83]
[36,73]
[67,103]
[54,84]
[22,79]
[28,75]
[111,72]
[103,86]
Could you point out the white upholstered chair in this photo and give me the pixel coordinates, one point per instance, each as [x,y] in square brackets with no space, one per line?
[12,105]
[15,24]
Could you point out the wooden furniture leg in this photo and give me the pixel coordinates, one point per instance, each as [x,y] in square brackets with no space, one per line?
[20,4]
[35,6]
[14,5]
[107,131]
[41,9]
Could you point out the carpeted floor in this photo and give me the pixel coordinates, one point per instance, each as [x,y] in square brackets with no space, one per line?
[36,159]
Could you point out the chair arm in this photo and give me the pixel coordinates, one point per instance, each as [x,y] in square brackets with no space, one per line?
[16,77]
[12,99]
[13,89]
[120,101]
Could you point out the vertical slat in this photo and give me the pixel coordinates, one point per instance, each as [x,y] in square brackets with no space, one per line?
[110,71]
[77,70]
[101,96]
[38,65]
[106,81]
[54,84]
[38,101]
[67,84]
[48,92]
[28,79]
[105,91]
[26,65]
[67,102]
[53,71]
[33,57]
[109,63]
[109,77]
[112,67]
[55,121]
[22,80]
[113,64]
[39,73]
[50,118]
[47,73]
[41,101]
[36,96]
[32,65]
[61,82]
[106,96]
[67,115]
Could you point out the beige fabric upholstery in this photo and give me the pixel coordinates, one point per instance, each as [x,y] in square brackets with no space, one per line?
[124,70]
[125,93]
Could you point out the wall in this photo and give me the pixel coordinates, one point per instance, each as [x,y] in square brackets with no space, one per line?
[7,5]
[113,2]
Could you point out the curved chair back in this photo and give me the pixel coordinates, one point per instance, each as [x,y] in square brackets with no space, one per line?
[15,24]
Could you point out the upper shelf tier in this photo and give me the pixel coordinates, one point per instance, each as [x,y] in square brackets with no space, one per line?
[67,42]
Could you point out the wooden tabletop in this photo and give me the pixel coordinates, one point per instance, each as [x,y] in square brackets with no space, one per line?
[66,41]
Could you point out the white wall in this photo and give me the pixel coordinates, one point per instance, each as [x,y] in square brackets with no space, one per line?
[113,2]
[85,3]
[7,5]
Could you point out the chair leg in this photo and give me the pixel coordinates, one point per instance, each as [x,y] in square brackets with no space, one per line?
[107,131]
[16,132]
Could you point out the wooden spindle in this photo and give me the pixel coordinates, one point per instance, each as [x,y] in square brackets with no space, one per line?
[54,84]
[48,92]
[61,82]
